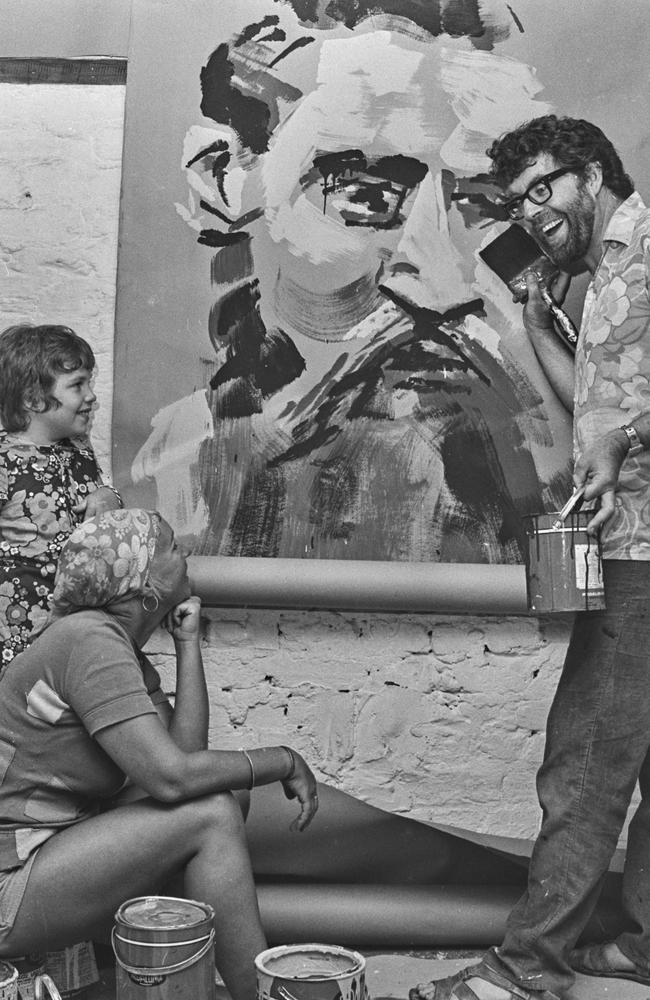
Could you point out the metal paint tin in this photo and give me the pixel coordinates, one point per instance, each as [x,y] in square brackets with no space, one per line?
[30,967]
[73,969]
[564,566]
[311,972]
[44,987]
[164,949]
[8,981]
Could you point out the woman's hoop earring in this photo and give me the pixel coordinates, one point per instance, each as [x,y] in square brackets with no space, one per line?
[150,597]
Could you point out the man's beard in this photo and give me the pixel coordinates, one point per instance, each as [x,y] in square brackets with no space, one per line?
[579,216]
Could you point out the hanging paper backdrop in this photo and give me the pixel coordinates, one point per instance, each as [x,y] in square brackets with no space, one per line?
[312,360]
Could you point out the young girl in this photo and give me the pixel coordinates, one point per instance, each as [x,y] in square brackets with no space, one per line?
[49,477]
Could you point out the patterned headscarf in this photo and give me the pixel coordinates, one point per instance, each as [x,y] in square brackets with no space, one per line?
[105,558]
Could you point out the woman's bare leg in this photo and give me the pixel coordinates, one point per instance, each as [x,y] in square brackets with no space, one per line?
[84,873]
[351,841]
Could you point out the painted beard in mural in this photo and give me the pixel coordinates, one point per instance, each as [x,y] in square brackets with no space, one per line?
[362,404]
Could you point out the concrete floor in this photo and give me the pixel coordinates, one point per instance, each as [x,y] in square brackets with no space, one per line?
[392,974]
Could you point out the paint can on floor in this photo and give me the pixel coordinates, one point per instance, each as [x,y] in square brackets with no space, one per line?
[310,972]
[164,949]
[45,988]
[563,567]
[8,981]
[30,967]
[73,969]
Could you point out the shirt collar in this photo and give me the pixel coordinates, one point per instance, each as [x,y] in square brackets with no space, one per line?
[622,223]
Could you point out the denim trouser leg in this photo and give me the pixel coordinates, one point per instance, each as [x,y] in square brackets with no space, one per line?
[635,943]
[597,740]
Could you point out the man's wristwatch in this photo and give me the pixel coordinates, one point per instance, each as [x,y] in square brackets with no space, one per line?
[636,445]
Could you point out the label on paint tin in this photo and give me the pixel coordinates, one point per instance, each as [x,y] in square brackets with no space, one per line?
[145,980]
[587,569]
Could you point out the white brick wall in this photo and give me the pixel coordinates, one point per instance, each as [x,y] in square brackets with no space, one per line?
[435,716]
[440,718]
[60,166]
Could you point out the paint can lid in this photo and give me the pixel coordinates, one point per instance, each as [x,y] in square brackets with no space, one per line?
[163,912]
[310,962]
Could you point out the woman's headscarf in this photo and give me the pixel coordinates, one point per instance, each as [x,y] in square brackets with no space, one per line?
[106,557]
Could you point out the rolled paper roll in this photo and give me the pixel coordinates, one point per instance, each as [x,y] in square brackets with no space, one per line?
[395,916]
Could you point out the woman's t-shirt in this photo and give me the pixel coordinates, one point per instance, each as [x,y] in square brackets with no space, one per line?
[80,676]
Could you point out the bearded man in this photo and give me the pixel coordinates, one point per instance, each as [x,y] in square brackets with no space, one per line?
[563,181]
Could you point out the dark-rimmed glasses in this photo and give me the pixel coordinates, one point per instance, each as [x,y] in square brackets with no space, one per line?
[538,193]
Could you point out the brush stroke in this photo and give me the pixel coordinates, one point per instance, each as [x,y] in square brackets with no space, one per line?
[232,265]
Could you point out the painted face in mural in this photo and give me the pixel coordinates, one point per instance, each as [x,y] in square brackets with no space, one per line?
[563,226]
[369,184]
[368,399]
[341,183]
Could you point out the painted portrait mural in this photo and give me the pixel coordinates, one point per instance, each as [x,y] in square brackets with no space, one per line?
[312,360]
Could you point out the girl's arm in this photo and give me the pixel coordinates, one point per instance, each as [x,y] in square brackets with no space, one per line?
[87,469]
[101,499]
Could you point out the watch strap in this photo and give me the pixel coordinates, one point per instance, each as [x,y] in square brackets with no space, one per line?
[636,445]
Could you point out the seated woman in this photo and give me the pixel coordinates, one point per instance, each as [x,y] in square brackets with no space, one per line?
[80,710]
[107,792]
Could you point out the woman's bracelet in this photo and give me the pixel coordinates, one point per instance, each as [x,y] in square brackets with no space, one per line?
[250,764]
[292,763]
[116,492]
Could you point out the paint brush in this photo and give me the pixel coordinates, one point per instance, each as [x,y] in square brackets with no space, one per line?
[571,504]
[511,256]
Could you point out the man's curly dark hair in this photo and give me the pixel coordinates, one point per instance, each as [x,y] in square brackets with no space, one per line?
[572,142]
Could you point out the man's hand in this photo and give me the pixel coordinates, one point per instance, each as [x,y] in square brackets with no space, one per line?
[598,469]
[536,312]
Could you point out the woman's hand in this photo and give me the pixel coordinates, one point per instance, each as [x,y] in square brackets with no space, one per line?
[183,622]
[302,786]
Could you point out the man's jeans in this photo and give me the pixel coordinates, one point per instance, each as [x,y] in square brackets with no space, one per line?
[597,742]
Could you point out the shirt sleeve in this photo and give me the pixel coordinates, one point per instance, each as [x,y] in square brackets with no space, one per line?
[152,682]
[87,468]
[103,682]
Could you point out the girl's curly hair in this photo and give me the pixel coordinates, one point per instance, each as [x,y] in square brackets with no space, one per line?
[31,358]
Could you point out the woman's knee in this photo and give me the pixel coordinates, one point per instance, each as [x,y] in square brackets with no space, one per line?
[218,813]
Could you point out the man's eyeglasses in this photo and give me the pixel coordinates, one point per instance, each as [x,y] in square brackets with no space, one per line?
[538,192]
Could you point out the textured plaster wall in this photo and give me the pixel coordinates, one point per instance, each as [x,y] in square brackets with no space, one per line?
[60,167]
[437,717]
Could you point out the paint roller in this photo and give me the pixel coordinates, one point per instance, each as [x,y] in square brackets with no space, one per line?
[511,256]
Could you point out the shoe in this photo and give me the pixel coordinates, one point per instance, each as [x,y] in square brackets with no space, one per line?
[456,988]
[592,961]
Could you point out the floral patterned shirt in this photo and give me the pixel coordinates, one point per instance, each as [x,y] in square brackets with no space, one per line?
[39,487]
[612,373]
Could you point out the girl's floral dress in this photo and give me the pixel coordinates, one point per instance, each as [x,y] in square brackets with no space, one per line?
[39,486]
